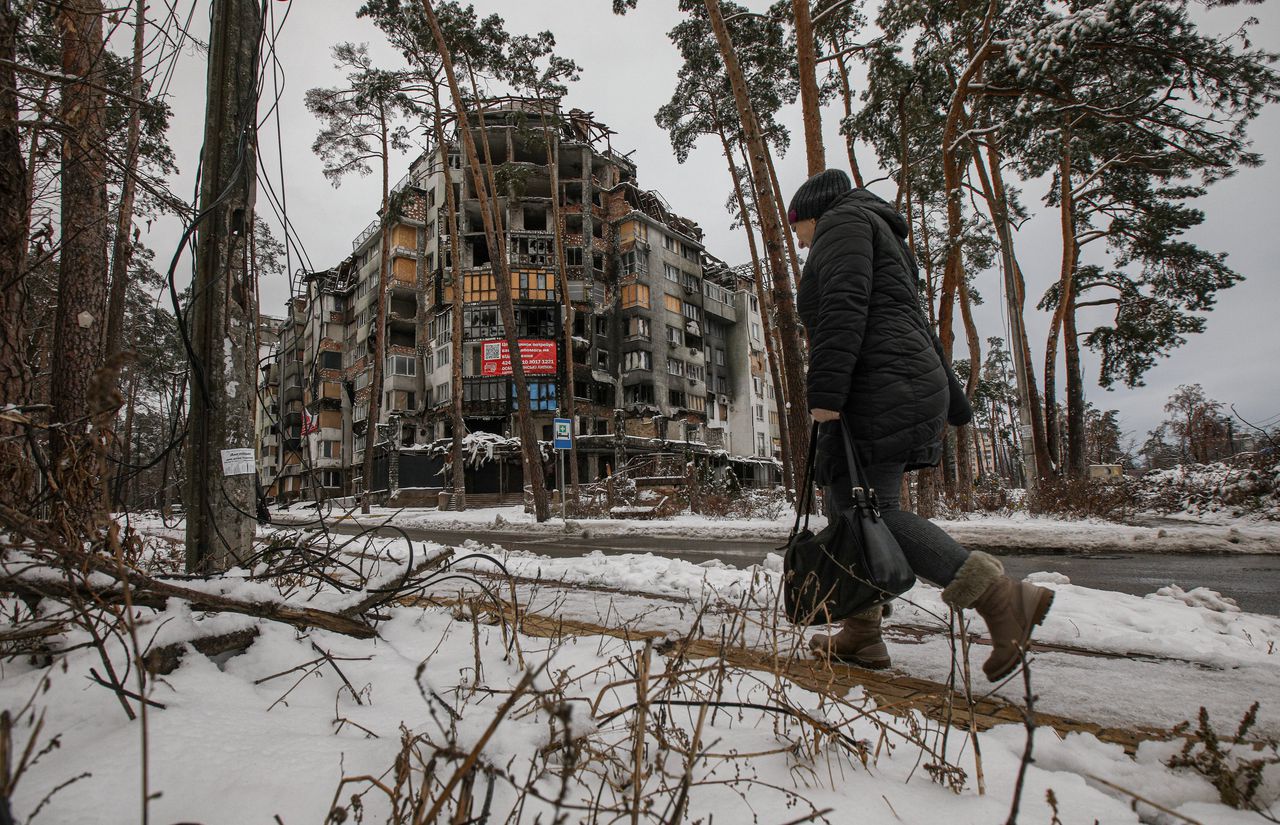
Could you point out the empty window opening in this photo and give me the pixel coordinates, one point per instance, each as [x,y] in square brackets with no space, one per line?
[535,219]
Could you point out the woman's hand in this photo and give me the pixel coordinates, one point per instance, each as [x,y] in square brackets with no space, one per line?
[823,416]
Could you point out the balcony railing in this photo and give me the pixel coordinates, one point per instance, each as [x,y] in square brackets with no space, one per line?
[365,235]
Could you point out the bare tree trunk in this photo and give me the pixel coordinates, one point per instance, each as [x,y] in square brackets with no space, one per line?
[122,474]
[498,255]
[796,404]
[530,453]
[788,469]
[809,103]
[963,440]
[1066,212]
[793,257]
[82,268]
[996,195]
[571,404]
[953,272]
[927,492]
[458,474]
[904,166]
[175,409]
[1076,459]
[15,375]
[846,97]
[377,350]
[122,246]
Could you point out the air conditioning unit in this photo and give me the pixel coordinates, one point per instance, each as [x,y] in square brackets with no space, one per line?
[723,399]
[673,344]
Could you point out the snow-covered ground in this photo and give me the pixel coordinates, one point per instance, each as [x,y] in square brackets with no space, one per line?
[562,723]
[1017,533]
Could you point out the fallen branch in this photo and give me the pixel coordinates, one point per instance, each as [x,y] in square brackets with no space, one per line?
[153,593]
[165,659]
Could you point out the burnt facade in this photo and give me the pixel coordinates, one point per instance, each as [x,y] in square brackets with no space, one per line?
[655,344]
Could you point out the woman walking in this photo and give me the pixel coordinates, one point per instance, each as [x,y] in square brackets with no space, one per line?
[875,363]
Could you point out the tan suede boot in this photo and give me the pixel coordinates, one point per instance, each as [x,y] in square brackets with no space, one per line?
[1010,608]
[858,642]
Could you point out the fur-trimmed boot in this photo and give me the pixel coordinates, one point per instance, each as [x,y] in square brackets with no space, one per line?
[1010,608]
[858,642]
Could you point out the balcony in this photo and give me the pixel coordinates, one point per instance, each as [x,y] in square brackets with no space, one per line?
[365,234]
[720,310]
[584,291]
[401,310]
[410,179]
[486,396]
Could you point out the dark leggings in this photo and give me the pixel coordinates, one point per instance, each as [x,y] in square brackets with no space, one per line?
[932,554]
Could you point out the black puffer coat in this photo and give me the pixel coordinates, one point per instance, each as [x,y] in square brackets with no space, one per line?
[872,354]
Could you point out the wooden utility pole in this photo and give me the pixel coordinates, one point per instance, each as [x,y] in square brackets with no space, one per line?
[219,496]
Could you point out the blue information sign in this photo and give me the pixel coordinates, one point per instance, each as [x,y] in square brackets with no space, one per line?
[563,433]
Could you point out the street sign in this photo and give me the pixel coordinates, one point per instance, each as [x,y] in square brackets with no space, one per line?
[563,433]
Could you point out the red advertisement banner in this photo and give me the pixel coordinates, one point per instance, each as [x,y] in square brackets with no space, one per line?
[539,358]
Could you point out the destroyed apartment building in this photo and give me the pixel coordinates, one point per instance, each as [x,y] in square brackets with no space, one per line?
[666,352]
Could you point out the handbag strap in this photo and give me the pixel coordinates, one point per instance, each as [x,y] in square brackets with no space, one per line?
[855,469]
[863,496]
[806,497]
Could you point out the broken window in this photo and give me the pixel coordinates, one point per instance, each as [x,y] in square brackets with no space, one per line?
[639,394]
[535,219]
[637,360]
[532,251]
[482,322]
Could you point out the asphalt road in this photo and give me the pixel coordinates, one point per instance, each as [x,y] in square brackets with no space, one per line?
[1252,580]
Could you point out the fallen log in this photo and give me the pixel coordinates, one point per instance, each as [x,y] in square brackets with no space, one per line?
[163,660]
[153,593]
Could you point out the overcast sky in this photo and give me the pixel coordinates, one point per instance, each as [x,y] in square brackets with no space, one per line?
[629,69]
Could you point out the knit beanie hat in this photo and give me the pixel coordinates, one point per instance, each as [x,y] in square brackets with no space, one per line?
[816,194]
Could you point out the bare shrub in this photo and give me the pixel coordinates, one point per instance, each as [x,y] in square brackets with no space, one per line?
[1234,765]
[1111,499]
[1248,484]
[992,495]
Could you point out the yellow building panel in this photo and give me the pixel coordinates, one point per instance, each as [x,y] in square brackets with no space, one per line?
[403,235]
[405,270]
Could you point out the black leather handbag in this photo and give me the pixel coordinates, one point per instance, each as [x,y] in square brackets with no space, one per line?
[851,565]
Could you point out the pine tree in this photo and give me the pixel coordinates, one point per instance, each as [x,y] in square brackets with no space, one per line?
[405,26]
[359,127]
[1100,90]
[485,51]
[82,264]
[702,104]
[523,67]
[15,373]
